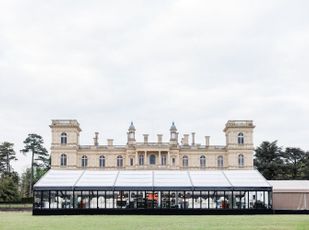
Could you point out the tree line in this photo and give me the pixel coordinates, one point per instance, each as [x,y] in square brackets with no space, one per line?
[277,163]
[14,188]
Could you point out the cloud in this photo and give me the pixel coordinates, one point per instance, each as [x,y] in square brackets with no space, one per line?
[198,63]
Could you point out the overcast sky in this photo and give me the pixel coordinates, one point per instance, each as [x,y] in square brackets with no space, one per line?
[198,63]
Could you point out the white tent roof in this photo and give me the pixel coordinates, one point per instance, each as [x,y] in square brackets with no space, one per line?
[152,179]
[290,185]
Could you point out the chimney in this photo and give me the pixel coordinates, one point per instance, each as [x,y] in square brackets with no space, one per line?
[193,138]
[96,139]
[207,140]
[186,139]
[110,142]
[159,138]
[145,138]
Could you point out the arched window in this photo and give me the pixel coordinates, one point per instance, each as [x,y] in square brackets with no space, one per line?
[102,161]
[84,161]
[63,139]
[63,160]
[241,139]
[141,159]
[202,161]
[185,161]
[119,162]
[152,159]
[241,160]
[220,161]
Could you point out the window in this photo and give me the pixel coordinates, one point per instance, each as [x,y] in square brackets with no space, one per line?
[119,162]
[241,160]
[241,138]
[185,161]
[63,138]
[152,159]
[163,159]
[220,161]
[102,161]
[131,161]
[84,161]
[63,160]
[141,159]
[173,161]
[202,161]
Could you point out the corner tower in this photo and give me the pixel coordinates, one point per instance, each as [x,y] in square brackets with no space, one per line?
[239,143]
[64,143]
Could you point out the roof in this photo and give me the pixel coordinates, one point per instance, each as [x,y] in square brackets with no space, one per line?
[290,185]
[152,180]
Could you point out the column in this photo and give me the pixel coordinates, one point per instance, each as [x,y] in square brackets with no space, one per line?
[145,158]
[159,160]
[168,158]
[136,158]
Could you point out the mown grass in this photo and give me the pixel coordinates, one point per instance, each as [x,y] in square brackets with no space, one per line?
[25,220]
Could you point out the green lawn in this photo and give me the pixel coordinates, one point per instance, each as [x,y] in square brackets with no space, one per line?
[24,220]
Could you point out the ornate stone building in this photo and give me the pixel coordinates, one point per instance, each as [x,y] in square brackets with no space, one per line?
[66,152]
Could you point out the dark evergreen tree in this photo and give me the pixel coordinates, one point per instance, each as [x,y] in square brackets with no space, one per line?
[7,154]
[9,190]
[268,160]
[294,159]
[39,155]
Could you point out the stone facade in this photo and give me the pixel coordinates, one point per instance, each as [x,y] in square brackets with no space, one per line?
[66,152]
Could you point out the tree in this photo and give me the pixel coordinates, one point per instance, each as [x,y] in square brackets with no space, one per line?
[39,154]
[268,160]
[9,187]
[7,154]
[294,159]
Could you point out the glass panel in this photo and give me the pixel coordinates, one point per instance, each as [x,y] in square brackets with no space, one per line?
[101,199]
[37,200]
[53,202]
[45,200]
[236,199]
[188,199]
[165,199]
[260,200]
[68,200]
[77,199]
[205,200]
[109,199]
[173,199]
[93,199]
[197,199]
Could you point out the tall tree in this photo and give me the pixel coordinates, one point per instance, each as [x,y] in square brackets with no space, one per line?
[268,160]
[7,154]
[294,159]
[39,155]
[9,190]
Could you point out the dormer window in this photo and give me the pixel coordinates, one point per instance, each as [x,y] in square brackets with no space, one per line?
[63,139]
[241,139]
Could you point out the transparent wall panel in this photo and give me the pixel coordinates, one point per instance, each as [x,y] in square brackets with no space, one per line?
[262,200]
[68,203]
[197,199]
[45,199]
[204,200]
[188,199]
[227,200]
[140,201]
[60,198]
[77,199]
[212,199]
[165,199]
[252,199]
[85,200]
[173,199]
[101,199]
[53,199]
[181,203]
[37,204]
[122,199]
[93,199]
[109,199]
[151,199]
[132,199]
[236,199]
